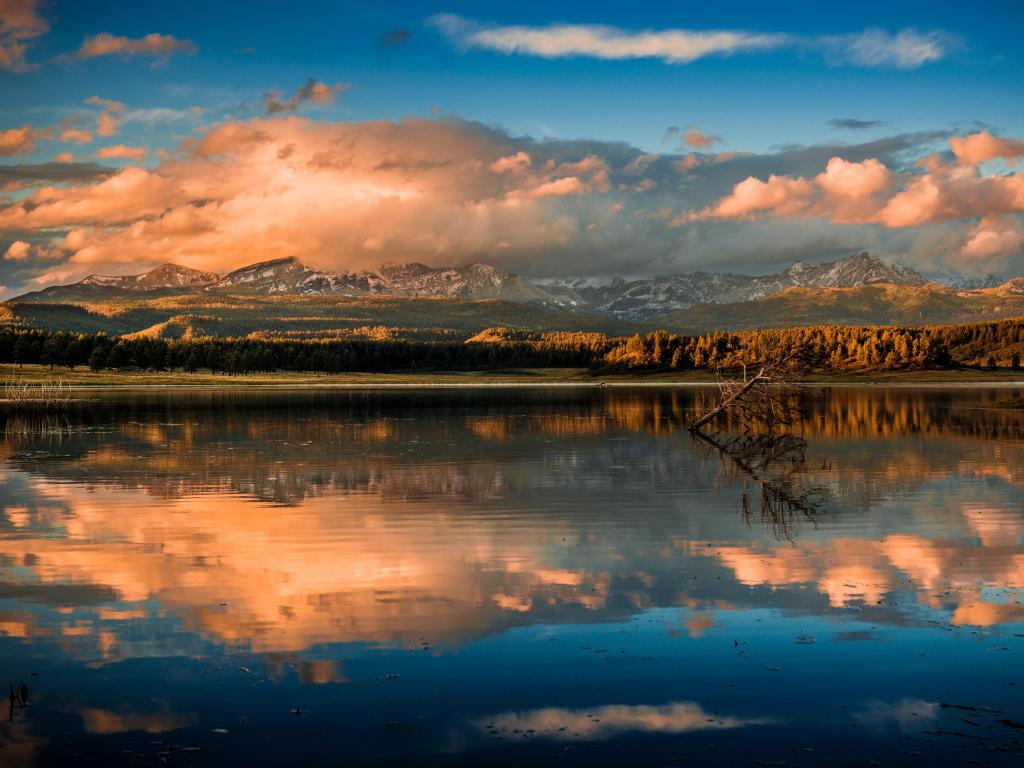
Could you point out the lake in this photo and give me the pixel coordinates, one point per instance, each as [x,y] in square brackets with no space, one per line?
[531,576]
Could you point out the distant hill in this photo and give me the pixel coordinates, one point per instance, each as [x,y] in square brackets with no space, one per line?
[864,305]
[193,315]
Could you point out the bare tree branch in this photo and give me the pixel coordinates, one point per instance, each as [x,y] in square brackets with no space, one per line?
[773,463]
[753,400]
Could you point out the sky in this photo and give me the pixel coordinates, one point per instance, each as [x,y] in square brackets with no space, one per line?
[549,139]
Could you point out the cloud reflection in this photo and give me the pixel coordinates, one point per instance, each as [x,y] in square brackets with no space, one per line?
[217,525]
[611,720]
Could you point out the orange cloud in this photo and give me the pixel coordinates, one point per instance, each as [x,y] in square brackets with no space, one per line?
[516,163]
[107,123]
[288,185]
[121,151]
[21,141]
[694,138]
[105,721]
[983,146]
[20,24]
[868,192]
[69,131]
[994,236]
[17,251]
[312,92]
[154,45]
[127,195]
[569,185]
[232,138]
[948,194]
[780,195]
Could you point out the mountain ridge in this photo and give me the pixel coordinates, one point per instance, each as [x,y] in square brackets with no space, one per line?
[641,300]
[644,299]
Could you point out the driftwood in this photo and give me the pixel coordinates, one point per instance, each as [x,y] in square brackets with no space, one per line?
[763,401]
[757,397]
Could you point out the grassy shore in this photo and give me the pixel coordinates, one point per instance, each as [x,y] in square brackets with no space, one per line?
[82,377]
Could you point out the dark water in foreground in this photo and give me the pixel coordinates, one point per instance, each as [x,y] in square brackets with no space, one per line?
[529,577]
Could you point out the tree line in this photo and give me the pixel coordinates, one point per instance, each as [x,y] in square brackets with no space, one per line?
[822,348]
[254,355]
[828,348]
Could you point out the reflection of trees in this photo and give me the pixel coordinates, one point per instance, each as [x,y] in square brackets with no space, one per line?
[286,447]
[775,464]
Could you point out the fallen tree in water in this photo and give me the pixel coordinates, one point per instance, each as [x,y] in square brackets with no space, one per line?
[766,398]
[761,401]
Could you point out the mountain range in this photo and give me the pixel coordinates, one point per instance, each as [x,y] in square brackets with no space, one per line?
[859,289]
[638,299]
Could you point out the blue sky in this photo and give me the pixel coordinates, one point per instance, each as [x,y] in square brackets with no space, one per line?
[753,101]
[823,63]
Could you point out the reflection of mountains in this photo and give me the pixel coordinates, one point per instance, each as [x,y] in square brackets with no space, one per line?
[864,444]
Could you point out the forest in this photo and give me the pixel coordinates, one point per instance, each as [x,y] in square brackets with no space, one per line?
[827,349]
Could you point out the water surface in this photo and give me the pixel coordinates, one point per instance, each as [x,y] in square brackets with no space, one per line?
[511,577]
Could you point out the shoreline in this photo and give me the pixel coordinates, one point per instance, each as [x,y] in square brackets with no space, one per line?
[85,380]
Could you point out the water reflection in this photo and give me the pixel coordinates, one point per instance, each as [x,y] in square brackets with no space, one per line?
[283,528]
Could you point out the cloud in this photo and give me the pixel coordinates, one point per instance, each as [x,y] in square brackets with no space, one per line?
[70,132]
[20,24]
[228,139]
[981,147]
[394,38]
[107,123]
[22,141]
[130,195]
[994,237]
[516,163]
[121,151]
[612,720]
[422,188]
[908,715]
[17,251]
[697,140]
[853,124]
[691,137]
[61,172]
[867,192]
[105,721]
[906,49]
[153,45]
[445,191]
[312,92]
[673,46]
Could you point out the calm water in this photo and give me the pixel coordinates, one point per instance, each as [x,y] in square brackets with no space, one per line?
[528,577]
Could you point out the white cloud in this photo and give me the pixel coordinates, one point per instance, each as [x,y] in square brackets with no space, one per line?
[673,46]
[905,49]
